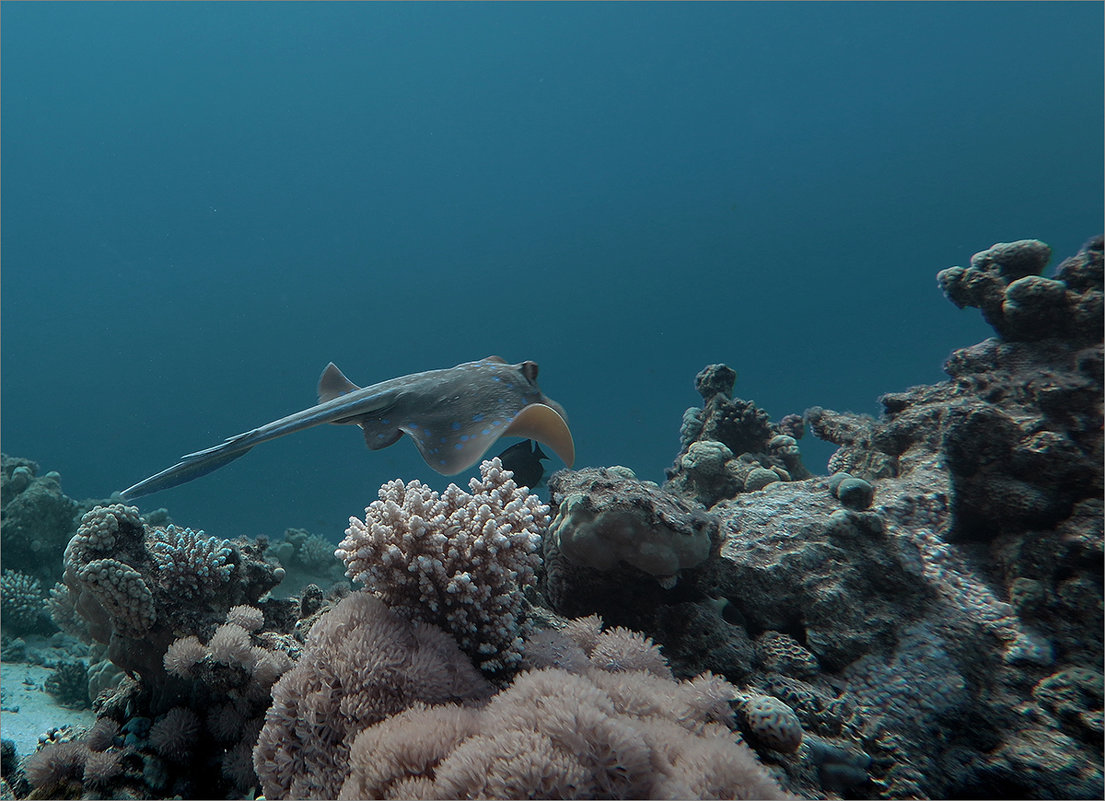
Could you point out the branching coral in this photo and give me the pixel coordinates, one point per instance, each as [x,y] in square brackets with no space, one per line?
[457,559]
[188,562]
[69,684]
[21,600]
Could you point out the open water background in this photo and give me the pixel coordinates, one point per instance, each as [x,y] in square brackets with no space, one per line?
[202,204]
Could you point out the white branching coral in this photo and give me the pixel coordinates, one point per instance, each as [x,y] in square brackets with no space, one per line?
[21,599]
[457,559]
[188,561]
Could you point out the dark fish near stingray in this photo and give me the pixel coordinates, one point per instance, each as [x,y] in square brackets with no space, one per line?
[524,460]
[453,415]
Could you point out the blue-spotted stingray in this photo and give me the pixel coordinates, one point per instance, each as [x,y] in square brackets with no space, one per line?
[453,415]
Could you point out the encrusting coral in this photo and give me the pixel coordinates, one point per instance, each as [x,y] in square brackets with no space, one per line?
[607,517]
[460,560]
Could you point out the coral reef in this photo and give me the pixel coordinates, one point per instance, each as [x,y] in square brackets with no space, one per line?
[1018,429]
[145,596]
[457,559]
[136,588]
[1005,284]
[946,578]
[596,714]
[637,555]
[925,622]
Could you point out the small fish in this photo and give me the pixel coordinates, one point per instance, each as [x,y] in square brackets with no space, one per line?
[454,416]
[524,460]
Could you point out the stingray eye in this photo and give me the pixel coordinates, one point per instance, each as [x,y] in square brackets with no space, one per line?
[529,370]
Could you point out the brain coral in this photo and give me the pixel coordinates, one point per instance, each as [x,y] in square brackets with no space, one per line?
[771,723]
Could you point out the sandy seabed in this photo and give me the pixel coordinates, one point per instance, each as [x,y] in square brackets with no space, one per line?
[27,710]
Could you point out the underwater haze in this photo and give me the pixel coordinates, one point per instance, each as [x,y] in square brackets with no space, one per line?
[204,203]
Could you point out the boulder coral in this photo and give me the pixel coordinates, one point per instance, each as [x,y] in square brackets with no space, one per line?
[603,518]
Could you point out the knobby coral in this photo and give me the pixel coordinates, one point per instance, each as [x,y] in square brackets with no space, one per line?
[457,559]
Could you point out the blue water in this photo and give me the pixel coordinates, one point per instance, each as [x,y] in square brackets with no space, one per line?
[203,204]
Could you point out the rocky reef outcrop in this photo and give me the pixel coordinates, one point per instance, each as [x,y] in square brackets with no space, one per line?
[929,615]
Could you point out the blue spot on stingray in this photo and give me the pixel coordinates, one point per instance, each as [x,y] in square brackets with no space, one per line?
[496,378]
[441,461]
[477,418]
[385,421]
[380,436]
[463,437]
[458,446]
[486,431]
[496,422]
[455,426]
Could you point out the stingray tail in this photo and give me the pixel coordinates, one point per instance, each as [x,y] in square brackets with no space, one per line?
[189,467]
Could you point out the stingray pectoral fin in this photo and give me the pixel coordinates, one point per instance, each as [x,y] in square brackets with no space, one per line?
[542,423]
[192,466]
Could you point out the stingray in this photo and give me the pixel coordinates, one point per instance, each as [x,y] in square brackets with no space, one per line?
[453,415]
